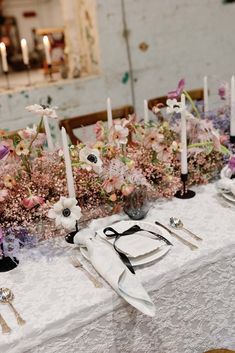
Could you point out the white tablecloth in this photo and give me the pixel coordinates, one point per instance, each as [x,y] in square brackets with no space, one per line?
[194,294]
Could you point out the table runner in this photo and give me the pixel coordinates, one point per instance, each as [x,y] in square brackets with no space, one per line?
[193,292]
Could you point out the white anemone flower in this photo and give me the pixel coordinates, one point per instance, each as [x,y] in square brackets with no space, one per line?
[173,106]
[90,158]
[65,212]
[43,110]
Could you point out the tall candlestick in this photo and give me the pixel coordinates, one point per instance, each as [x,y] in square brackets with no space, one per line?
[47,47]
[48,134]
[146,112]
[25,52]
[184,162]
[205,95]
[4,57]
[109,113]
[68,166]
[232,113]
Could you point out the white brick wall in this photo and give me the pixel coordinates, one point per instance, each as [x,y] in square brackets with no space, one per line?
[186,38]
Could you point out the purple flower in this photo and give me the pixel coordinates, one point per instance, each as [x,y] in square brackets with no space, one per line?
[179,90]
[231,163]
[222,92]
[1,235]
[3,151]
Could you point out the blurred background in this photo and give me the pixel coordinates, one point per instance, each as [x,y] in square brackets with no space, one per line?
[129,50]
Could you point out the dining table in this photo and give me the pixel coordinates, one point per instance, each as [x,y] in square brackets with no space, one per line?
[193,291]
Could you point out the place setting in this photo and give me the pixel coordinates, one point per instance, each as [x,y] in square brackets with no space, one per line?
[226,184]
[127,245]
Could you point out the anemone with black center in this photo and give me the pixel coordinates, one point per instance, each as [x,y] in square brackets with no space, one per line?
[66,212]
[92,158]
[44,106]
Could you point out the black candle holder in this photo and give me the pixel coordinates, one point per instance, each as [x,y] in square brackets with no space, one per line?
[184,192]
[232,139]
[70,236]
[7,263]
[50,73]
[7,79]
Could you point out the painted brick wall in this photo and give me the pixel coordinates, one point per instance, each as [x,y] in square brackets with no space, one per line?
[185,38]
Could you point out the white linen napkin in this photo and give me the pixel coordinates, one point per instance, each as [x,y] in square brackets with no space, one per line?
[225,185]
[108,264]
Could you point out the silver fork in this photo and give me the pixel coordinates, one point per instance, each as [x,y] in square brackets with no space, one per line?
[5,327]
[76,263]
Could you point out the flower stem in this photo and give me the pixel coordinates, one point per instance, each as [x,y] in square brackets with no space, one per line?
[192,104]
[25,162]
[223,149]
[124,149]
[36,135]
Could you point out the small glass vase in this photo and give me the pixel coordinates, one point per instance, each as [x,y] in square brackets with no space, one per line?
[137,204]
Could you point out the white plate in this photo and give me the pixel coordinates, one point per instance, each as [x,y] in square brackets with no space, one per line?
[229,197]
[143,259]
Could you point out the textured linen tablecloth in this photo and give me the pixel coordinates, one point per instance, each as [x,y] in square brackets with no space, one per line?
[194,294]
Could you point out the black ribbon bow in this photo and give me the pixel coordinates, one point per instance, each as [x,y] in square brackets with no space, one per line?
[110,232]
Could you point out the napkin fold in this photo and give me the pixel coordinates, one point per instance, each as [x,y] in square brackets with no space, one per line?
[108,264]
[226,185]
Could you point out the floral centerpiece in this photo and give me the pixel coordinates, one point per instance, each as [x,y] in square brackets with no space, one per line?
[33,186]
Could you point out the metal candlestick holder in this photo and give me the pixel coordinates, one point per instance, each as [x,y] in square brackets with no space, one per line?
[50,73]
[184,192]
[7,79]
[70,236]
[232,139]
[6,263]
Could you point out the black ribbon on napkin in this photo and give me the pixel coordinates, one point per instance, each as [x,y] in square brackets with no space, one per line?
[110,232]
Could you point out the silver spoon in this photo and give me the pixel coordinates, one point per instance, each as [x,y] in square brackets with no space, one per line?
[6,297]
[178,224]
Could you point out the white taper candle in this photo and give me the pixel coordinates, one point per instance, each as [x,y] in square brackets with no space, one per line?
[48,134]
[232,113]
[4,57]
[68,166]
[205,94]
[47,47]
[146,112]
[25,52]
[109,113]
[184,162]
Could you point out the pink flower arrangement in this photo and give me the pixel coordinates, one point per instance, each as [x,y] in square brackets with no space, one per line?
[105,173]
